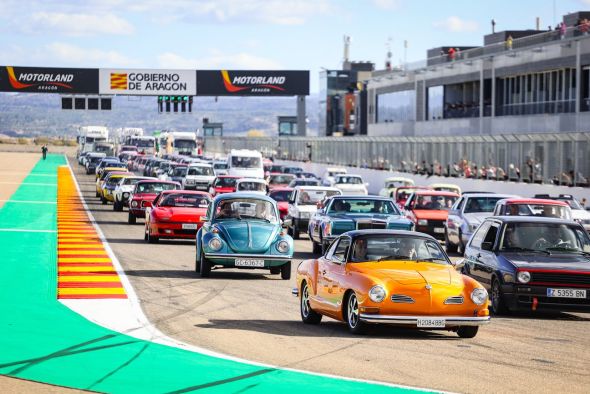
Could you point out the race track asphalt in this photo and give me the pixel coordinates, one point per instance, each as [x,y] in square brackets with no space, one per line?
[252,315]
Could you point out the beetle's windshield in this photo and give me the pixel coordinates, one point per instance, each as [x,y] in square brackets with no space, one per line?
[246,208]
[380,248]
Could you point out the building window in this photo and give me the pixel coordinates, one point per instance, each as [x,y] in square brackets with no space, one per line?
[546,92]
[461,100]
[396,107]
[435,102]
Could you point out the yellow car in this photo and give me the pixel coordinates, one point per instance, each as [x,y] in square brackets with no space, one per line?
[104,174]
[109,185]
[446,187]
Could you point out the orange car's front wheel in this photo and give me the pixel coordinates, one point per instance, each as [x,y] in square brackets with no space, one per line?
[355,324]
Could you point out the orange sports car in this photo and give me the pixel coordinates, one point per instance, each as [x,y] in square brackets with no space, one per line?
[390,276]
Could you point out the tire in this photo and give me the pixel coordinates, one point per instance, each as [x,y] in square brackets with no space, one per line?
[316,247]
[324,248]
[352,315]
[275,270]
[286,271]
[308,315]
[131,219]
[461,247]
[103,200]
[97,194]
[295,231]
[152,238]
[497,305]
[450,248]
[205,266]
[467,331]
[145,234]
[117,206]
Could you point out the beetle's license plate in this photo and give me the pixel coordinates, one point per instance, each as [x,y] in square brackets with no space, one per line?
[189,226]
[430,323]
[439,230]
[566,293]
[249,263]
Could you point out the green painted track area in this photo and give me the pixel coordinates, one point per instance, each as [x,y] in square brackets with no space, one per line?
[42,340]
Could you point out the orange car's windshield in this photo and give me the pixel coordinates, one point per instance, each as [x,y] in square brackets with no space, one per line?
[397,247]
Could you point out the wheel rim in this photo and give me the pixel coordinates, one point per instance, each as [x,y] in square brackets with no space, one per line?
[353,311]
[495,296]
[305,302]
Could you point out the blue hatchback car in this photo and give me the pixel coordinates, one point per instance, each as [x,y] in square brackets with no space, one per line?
[531,263]
[243,230]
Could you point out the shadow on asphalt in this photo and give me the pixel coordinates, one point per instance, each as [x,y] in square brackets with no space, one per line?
[171,274]
[326,329]
[542,315]
[216,274]
[125,241]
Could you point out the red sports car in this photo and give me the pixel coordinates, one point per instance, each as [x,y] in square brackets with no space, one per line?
[281,196]
[176,214]
[143,194]
[223,184]
[277,180]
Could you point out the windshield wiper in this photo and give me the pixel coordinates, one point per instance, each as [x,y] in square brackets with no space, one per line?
[519,249]
[562,249]
[394,257]
[432,259]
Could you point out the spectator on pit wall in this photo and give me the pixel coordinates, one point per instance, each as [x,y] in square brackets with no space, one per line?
[509,42]
[451,53]
[562,30]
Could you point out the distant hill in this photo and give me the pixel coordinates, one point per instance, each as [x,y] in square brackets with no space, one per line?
[30,115]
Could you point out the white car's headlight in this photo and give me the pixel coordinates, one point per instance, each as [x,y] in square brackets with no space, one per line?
[283,246]
[215,243]
[479,296]
[304,215]
[523,276]
[134,203]
[377,293]
[422,222]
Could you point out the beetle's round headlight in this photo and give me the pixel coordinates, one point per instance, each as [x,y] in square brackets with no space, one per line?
[479,296]
[215,243]
[524,276]
[377,293]
[283,246]
[134,203]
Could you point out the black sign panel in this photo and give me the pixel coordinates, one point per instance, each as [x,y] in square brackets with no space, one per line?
[252,83]
[48,80]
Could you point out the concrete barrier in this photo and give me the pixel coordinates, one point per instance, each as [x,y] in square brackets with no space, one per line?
[376,179]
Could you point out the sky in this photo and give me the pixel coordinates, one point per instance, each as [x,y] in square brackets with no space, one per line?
[253,34]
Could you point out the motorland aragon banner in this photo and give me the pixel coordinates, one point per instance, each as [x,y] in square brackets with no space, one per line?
[147,82]
[48,80]
[252,83]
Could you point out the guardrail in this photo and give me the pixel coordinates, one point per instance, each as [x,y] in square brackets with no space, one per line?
[560,158]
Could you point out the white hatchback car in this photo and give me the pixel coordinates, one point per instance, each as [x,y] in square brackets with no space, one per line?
[351,184]
[199,176]
[252,185]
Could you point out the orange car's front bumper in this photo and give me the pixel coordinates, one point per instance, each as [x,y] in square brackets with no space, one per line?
[450,321]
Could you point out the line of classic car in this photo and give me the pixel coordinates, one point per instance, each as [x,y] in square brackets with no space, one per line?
[380,258]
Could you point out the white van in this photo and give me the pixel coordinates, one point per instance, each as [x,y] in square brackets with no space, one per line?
[245,163]
[199,176]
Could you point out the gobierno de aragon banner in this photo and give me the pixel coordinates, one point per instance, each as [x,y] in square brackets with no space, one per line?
[48,80]
[252,83]
[147,82]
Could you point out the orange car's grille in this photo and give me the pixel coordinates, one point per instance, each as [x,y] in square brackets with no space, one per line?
[402,299]
[456,300]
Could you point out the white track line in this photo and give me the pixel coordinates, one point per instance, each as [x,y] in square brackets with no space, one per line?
[154,335]
[29,183]
[29,202]
[21,230]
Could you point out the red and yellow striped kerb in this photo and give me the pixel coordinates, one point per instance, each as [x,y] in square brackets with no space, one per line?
[84,269]
[119,81]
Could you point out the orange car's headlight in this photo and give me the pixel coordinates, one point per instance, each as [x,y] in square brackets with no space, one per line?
[479,296]
[377,293]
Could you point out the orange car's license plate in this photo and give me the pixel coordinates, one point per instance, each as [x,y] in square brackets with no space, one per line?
[430,323]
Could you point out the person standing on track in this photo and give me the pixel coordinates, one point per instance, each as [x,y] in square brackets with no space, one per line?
[44,151]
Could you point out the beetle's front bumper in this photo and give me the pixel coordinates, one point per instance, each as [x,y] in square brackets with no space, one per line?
[229,260]
[450,321]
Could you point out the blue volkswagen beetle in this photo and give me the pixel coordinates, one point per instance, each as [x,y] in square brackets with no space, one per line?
[243,230]
[340,214]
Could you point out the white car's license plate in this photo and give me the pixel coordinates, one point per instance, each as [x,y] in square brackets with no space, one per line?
[249,263]
[189,226]
[566,293]
[424,322]
[439,230]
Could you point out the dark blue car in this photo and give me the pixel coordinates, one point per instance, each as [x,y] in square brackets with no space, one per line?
[531,263]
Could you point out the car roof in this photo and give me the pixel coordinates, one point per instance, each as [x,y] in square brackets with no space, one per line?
[534,201]
[156,180]
[357,197]
[357,233]
[493,195]
[257,180]
[281,189]
[229,176]
[199,164]
[196,192]
[318,188]
[230,196]
[435,193]
[529,219]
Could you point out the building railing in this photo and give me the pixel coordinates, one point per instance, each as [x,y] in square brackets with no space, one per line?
[559,158]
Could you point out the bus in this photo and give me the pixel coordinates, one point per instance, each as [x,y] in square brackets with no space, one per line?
[88,136]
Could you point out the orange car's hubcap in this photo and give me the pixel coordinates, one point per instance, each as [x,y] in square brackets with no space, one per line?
[353,311]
